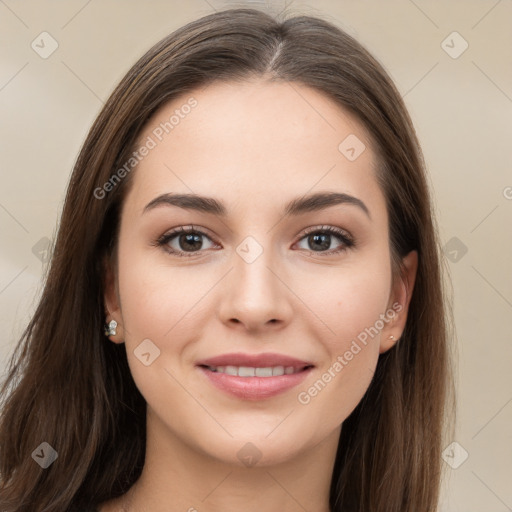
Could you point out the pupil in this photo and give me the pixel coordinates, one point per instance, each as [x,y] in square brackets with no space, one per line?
[315,239]
[191,239]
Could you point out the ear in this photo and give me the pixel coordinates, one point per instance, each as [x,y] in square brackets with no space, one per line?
[399,301]
[111,300]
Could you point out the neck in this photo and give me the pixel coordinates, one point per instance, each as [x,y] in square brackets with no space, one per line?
[178,477]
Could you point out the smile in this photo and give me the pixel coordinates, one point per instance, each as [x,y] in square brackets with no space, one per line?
[248,371]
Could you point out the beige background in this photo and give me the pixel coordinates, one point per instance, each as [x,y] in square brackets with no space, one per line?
[462,108]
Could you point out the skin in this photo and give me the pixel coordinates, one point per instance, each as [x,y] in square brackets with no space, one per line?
[255,146]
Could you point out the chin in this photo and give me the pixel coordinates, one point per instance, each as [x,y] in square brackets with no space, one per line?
[258,450]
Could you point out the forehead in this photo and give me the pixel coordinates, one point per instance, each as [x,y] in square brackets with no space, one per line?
[254,139]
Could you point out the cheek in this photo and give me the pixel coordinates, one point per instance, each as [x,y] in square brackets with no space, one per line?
[161,305]
[169,307]
[338,387]
[351,305]
[346,300]
[156,299]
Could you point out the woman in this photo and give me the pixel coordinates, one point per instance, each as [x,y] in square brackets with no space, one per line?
[244,308]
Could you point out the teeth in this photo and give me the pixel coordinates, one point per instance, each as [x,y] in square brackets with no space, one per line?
[278,370]
[263,372]
[248,371]
[231,370]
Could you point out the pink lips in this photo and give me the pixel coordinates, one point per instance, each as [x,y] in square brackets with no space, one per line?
[254,360]
[255,388]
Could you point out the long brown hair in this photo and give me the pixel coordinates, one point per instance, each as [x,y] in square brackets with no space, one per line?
[67,386]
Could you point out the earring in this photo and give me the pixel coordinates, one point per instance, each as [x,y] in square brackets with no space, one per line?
[110,329]
[391,337]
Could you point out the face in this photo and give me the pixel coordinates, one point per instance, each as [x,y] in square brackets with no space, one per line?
[282,269]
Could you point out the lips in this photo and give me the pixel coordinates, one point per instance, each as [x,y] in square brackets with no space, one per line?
[255,361]
[254,377]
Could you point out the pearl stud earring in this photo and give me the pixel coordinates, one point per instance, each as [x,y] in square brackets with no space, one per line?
[110,329]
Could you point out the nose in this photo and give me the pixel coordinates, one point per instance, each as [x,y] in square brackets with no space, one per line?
[255,296]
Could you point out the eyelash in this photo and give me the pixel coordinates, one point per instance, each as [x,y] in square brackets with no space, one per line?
[347,241]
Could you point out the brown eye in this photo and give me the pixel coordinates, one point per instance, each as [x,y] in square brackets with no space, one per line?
[321,240]
[184,241]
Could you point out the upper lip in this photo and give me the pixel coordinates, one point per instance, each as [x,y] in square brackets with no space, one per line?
[264,360]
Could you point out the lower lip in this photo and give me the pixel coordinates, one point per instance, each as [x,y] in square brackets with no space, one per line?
[254,388]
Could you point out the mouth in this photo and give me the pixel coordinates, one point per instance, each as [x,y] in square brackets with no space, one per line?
[254,377]
[250,371]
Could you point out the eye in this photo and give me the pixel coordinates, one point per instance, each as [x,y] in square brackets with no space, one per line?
[185,241]
[320,239]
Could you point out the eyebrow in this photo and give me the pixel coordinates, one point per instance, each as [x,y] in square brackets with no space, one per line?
[310,203]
